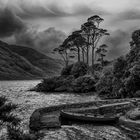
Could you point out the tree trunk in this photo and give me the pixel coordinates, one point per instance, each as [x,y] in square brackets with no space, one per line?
[78,54]
[92,56]
[102,61]
[66,63]
[87,55]
[93,60]
[88,52]
[67,59]
[83,55]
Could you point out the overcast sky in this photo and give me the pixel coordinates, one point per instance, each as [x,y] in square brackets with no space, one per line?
[24,21]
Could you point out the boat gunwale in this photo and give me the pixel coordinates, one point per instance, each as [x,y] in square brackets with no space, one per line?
[82,117]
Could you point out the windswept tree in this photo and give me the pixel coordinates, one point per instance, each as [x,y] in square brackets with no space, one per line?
[78,42]
[82,41]
[93,34]
[86,32]
[65,51]
[101,52]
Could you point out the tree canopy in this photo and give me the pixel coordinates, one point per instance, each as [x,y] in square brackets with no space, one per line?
[81,42]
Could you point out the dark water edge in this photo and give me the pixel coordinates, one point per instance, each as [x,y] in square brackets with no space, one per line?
[17,92]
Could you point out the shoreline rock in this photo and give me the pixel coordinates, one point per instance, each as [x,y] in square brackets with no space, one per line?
[37,123]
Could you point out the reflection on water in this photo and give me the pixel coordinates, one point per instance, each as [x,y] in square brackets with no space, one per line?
[28,101]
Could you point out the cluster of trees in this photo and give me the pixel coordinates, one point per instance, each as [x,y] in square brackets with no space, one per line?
[120,79]
[123,79]
[81,42]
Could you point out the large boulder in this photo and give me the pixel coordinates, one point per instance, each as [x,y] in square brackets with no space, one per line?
[134,114]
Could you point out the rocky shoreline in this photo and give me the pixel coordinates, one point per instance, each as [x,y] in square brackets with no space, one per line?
[46,118]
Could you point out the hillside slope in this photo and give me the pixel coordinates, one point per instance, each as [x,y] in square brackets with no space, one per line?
[18,62]
[47,64]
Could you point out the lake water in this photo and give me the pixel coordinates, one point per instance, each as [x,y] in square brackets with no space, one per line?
[27,101]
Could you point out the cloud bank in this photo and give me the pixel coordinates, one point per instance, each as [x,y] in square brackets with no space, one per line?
[41,23]
[12,26]
[44,41]
[9,23]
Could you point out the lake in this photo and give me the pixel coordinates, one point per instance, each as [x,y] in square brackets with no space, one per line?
[27,101]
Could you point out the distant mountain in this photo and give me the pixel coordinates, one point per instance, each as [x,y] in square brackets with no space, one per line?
[19,62]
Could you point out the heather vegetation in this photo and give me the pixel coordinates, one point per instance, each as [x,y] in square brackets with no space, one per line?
[12,123]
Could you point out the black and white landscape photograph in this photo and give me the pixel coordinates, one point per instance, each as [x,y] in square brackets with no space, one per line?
[69,70]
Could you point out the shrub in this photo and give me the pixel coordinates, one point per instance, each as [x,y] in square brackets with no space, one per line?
[12,122]
[65,84]
[132,83]
[48,84]
[104,86]
[15,133]
[67,70]
[137,94]
[118,90]
[119,67]
[136,37]
[55,84]
[124,80]
[84,84]
[79,69]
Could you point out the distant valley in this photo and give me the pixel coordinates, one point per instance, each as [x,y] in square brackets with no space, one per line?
[19,62]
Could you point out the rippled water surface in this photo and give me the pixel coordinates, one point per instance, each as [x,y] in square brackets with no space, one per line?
[28,101]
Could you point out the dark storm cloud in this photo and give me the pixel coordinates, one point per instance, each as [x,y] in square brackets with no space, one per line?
[66,15]
[9,23]
[12,26]
[49,39]
[44,41]
[26,37]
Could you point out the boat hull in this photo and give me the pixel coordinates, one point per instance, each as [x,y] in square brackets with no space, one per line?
[66,117]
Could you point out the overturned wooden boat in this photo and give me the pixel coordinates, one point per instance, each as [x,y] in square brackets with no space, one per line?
[87,118]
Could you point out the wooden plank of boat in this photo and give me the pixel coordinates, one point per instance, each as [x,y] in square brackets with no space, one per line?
[50,120]
[87,117]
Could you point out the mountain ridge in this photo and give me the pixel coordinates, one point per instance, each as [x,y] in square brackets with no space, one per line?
[20,62]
